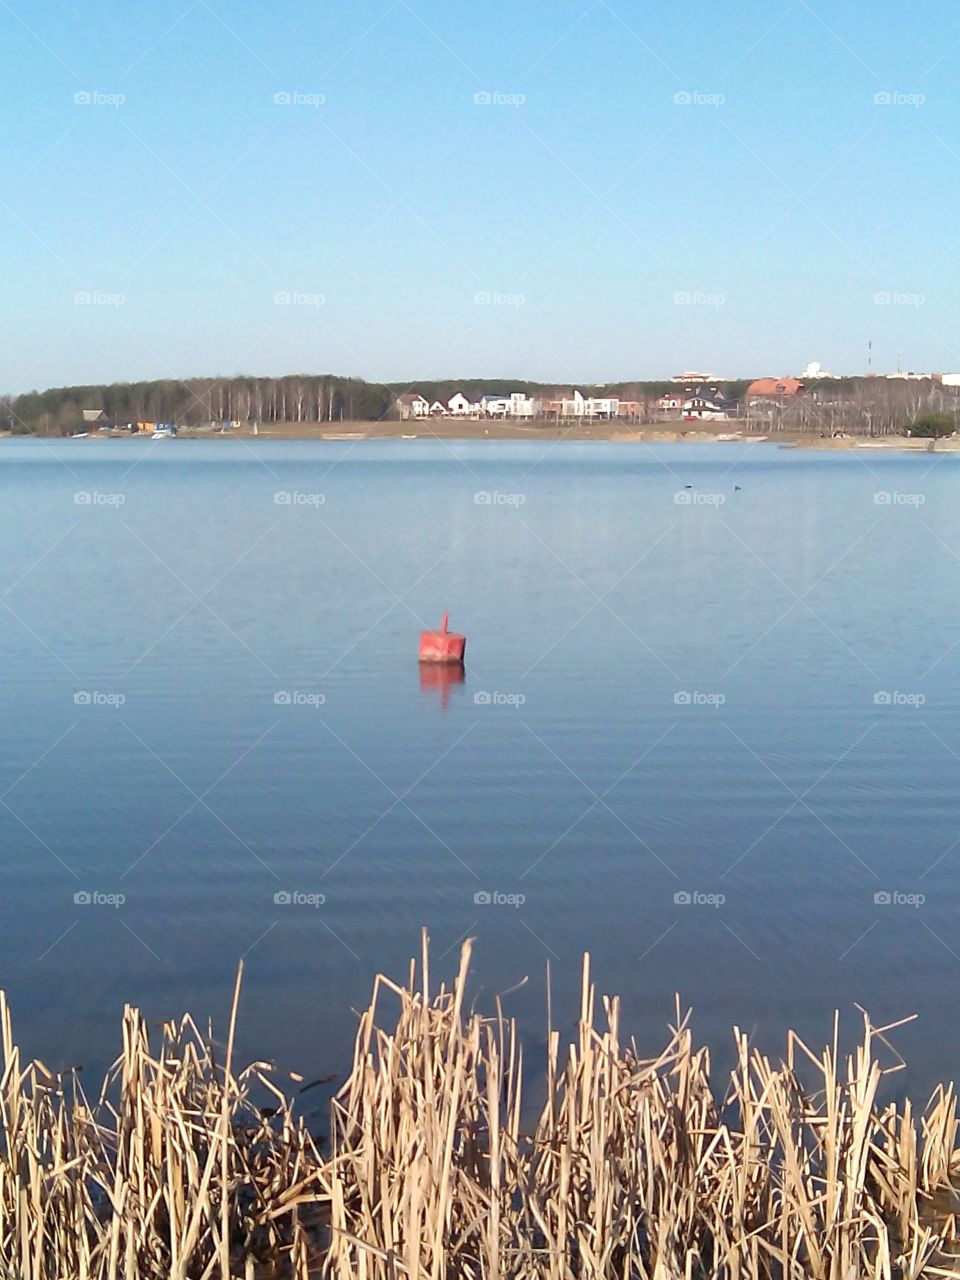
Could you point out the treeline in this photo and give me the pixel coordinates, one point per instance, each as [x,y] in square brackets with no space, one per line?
[194,401]
[862,406]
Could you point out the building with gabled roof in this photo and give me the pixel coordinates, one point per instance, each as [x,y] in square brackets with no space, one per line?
[412,405]
[774,389]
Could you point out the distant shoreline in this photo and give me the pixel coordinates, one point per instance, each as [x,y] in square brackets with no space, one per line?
[467,430]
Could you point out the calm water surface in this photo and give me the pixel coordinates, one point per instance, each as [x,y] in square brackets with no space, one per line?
[717,697]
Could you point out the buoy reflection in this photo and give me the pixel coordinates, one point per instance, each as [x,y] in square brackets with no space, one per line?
[438,678]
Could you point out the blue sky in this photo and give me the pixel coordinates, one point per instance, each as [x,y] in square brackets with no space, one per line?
[637,190]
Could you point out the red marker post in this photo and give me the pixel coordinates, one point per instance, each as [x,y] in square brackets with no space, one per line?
[442,645]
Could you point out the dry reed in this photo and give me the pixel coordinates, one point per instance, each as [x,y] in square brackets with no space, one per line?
[635,1168]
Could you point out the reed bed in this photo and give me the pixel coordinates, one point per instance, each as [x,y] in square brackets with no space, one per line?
[635,1168]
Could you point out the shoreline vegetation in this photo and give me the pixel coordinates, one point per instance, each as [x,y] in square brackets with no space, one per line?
[184,1166]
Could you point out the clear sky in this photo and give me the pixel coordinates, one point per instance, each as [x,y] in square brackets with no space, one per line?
[578,221]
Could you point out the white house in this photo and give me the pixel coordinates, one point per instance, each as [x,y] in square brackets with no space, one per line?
[495,406]
[580,406]
[602,406]
[460,406]
[438,409]
[412,405]
[572,407]
[670,403]
[515,405]
[702,409]
[521,405]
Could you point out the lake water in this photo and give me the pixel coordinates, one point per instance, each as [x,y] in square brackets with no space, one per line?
[748,697]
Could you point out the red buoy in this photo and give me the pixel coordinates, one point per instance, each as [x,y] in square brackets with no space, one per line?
[442,645]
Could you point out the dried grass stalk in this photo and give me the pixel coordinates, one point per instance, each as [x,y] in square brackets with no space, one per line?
[635,1170]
